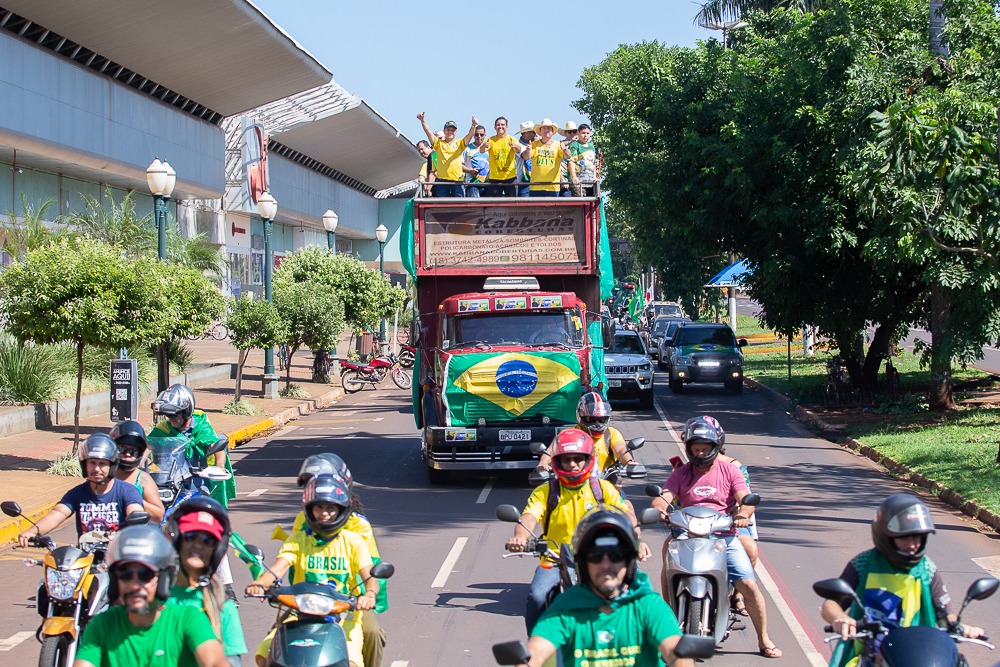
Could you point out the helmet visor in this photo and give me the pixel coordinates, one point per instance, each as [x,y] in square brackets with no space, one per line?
[596,423]
[911,521]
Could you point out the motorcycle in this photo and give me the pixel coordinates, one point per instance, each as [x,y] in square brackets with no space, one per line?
[355,376]
[314,638]
[695,565]
[689,646]
[915,646]
[176,477]
[613,473]
[407,355]
[74,587]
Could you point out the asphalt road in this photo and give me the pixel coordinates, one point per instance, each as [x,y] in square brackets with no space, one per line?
[453,595]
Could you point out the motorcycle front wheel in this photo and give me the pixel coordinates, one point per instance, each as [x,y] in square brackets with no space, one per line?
[406,359]
[401,378]
[353,382]
[692,625]
[55,650]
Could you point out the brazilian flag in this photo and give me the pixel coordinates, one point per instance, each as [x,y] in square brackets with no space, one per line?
[501,387]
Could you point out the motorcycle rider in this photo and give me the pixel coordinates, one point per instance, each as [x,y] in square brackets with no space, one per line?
[327,554]
[559,505]
[896,580]
[612,612]
[199,531]
[130,437]
[142,631]
[328,463]
[100,503]
[705,480]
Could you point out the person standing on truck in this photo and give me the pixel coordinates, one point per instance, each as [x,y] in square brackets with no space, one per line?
[428,170]
[546,156]
[476,164]
[450,177]
[503,150]
[526,132]
[583,163]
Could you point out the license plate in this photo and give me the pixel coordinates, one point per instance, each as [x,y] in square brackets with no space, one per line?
[709,364]
[614,383]
[515,436]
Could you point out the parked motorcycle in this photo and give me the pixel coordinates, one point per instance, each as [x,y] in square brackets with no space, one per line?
[697,579]
[407,355]
[915,646]
[689,646]
[314,638]
[613,473]
[74,587]
[355,376]
[176,477]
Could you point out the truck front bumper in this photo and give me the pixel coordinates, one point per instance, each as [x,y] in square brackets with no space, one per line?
[481,448]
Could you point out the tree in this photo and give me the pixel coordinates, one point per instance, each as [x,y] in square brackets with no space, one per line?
[253,324]
[314,317]
[721,11]
[28,231]
[85,291]
[115,223]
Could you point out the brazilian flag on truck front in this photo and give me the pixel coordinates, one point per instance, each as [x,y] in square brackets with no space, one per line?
[511,385]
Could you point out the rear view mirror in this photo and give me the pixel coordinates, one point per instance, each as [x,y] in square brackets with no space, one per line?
[608,332]
[635,443]
[649,516]
[751,499]
[10,508]
[693,646]
[638,471]
[511,653]
[982,588]
[383,570]
[537,448]
[255,551]
[137,519]
[834,589]
[654,490]
[508,513]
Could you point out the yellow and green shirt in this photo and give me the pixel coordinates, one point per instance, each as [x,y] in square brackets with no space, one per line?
[546,164]
[449,159]
[572,505]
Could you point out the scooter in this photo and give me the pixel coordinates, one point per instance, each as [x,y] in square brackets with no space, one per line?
[915,646]
[695,565]
[176,477]
[314,638]
[74,587]
[517,653]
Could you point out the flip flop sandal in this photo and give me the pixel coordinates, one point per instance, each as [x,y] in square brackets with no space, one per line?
[737,606]
[771,652]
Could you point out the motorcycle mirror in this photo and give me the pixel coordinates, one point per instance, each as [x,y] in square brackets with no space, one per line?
[637,471]
[383,570]
[654,490]
[537,448]
[834,589]
[220,444]
[10,508]
[649,516]
[979,590]
[693,646]
[137,519]
[635,443]
[254,551]
[511,653]
[508,513]
[751,499]
[537,477]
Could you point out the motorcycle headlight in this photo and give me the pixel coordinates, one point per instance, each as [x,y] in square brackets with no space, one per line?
[62,583]
[699,526]
[314,604]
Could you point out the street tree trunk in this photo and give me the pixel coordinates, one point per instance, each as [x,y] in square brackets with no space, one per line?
[940,396]
[79,395]
[288,365]
[321,366]
[240,361]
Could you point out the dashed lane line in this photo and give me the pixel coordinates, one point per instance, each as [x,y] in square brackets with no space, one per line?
[485,492]
[442,576]
[15,639]
[256,492]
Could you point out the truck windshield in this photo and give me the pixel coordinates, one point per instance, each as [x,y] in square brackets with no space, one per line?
[554,327]
[706,336]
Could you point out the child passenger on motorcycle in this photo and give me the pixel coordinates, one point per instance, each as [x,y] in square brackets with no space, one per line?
[101,503]
[896,581]
[327,554]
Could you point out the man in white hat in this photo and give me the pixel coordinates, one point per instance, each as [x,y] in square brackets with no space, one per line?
[526,133]
[570,134]
[546,154]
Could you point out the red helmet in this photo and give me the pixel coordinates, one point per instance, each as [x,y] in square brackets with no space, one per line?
[572,441]
[593,412]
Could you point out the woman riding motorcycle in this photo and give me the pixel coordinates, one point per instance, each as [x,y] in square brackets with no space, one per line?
[131,440]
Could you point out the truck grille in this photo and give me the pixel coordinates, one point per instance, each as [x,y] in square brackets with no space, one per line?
[621,370]
[455,455]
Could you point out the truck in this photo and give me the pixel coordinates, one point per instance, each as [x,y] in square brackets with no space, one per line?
[507,318]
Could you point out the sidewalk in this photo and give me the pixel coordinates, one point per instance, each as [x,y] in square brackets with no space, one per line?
[25,457]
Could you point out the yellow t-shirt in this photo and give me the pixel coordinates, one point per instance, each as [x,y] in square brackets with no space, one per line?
[546,164]
[603,445]
[572,505]
[503,157]
[449,156]
[356,524]
[340,560]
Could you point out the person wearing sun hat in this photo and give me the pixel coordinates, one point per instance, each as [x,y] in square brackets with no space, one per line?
[546,154]
[450,151]
[569,131]
[526,134]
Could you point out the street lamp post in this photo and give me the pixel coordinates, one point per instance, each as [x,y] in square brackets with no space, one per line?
[381,233]
[330,220]
[267,207]
[161,178]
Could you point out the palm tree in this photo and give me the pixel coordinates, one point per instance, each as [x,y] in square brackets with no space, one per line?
[26,232]
[723,11]
[115,223]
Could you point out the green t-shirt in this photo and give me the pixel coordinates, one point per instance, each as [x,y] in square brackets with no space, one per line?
[233,641]
[629,635]
[111,641]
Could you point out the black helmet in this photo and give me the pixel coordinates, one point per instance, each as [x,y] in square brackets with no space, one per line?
[99,446]
[129,433]
[899,515]
[175,400]
[703,429]
[326,463]
[593,412]
[605,527]
[149,546]
[200,506]
[332,490]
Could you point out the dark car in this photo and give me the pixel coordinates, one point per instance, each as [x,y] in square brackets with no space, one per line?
[662,327]
[705,353]
[629,370]
[666,342]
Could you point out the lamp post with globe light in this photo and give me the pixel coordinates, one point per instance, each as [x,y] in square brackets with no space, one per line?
[381,233]
[267,207]
[161,178]
[330,220]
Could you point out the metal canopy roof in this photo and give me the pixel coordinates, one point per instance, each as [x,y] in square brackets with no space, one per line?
[342,131]
[731,276]
[225,54]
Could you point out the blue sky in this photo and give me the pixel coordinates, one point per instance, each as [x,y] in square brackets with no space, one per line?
[454,59]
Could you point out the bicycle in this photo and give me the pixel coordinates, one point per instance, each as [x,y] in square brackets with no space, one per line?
[283,357]
[838,385]
[216,330]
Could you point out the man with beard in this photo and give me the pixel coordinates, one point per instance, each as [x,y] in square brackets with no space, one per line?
[613,614]
[141,631]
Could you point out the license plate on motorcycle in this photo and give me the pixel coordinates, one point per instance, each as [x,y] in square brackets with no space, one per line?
[614,383]
[515,436]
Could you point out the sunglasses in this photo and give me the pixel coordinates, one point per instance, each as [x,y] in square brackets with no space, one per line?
[616,556]
[480,134]
[144,574]
[196,536]
[131,452]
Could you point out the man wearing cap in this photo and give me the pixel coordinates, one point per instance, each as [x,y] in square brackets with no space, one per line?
[450,151]
[503,150]
[526,132]
[570,133]
[546,156]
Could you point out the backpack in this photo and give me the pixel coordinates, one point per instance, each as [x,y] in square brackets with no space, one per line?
[555,488]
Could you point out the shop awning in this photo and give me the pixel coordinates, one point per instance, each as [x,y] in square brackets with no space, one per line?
[731,276]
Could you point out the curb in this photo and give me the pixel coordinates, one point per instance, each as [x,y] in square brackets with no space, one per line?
[890,465]
[10,529]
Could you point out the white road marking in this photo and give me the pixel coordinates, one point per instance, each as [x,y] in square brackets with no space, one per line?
[378,419]
[14,640]
[485,492]
[256,492]
[814,657]
[399,663]
[449,563]
[989,563]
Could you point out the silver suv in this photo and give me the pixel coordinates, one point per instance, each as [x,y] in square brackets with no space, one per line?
[629,370]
